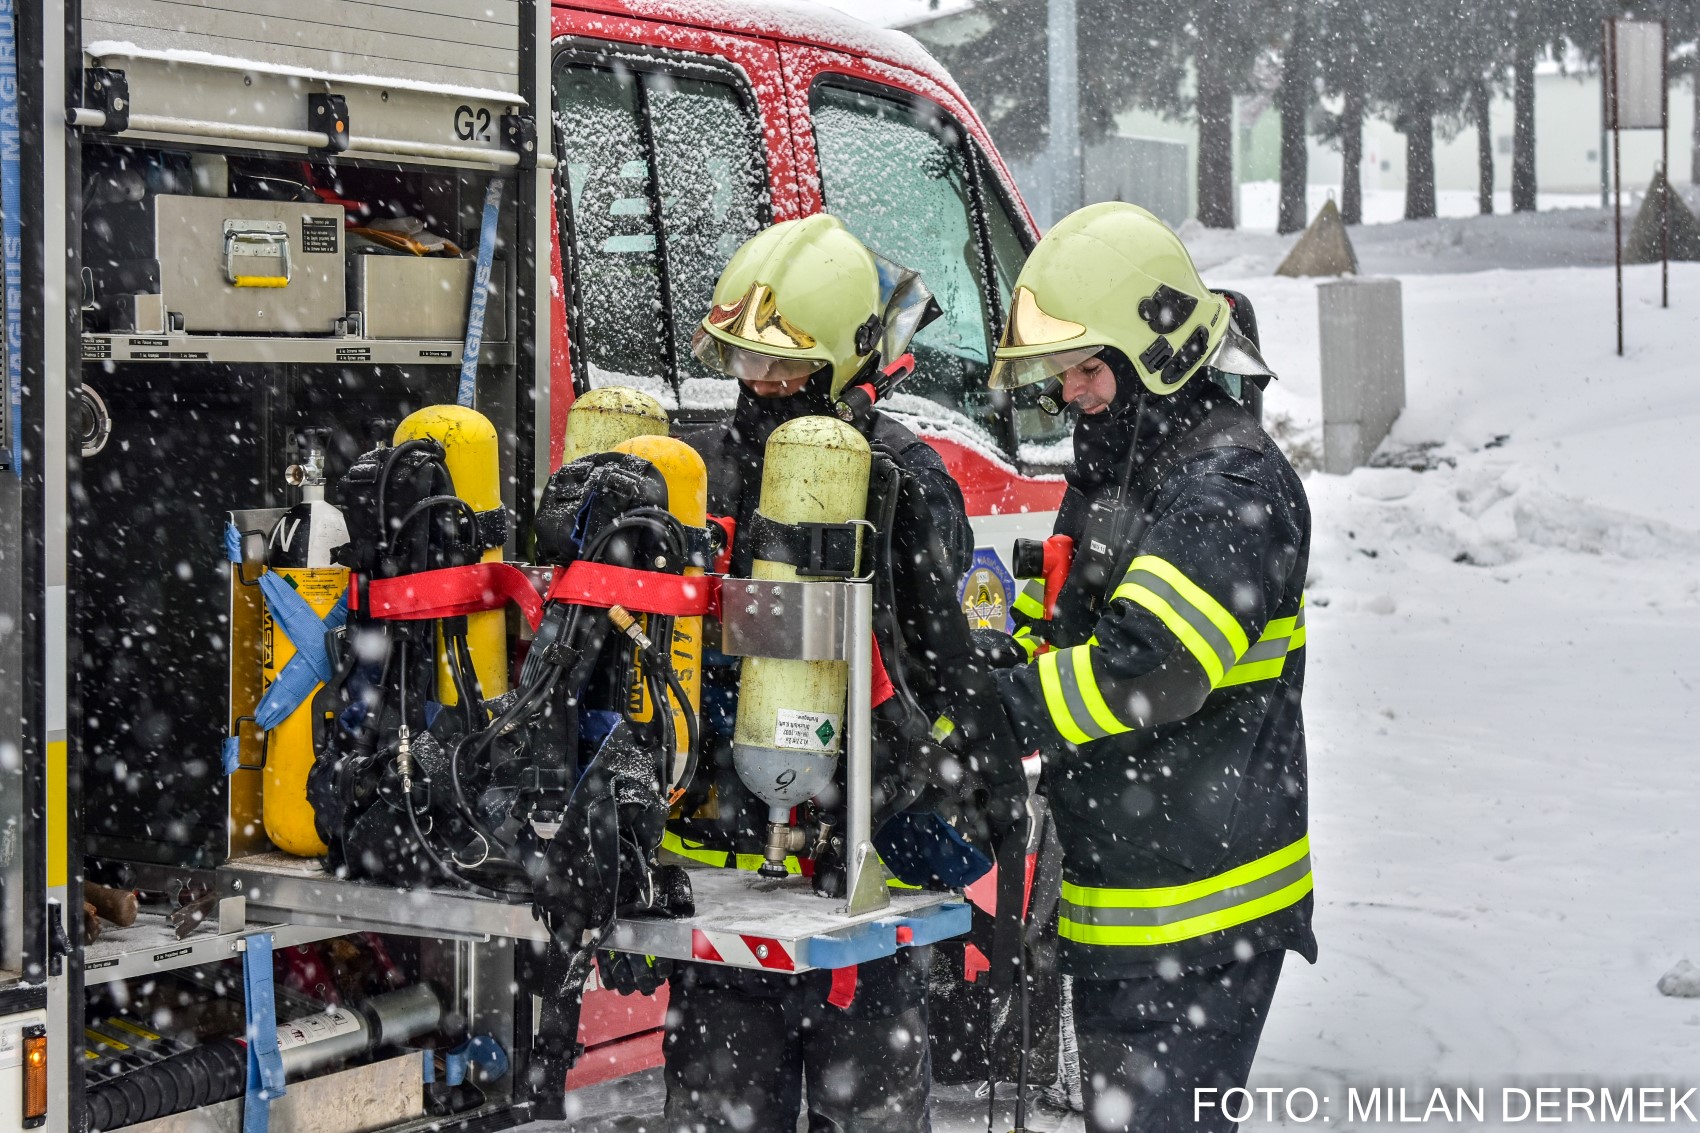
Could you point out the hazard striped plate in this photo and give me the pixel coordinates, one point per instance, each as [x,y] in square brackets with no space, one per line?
[746,921]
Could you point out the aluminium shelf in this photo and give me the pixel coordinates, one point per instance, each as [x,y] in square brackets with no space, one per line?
[150,946]
[301,349]
[743,920]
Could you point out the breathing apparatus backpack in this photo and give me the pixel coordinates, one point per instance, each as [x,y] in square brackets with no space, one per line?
[380,716]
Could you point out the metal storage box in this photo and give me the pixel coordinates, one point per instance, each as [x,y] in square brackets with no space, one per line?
[237,266]
[416,297]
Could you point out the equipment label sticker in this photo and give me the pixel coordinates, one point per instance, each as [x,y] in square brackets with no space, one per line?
[807,731]
[322,234]
[314,1028]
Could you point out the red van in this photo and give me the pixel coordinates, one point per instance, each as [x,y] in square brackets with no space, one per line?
[685,126]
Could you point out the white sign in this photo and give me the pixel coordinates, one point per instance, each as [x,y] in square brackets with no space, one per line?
[1640,69]
[807,731]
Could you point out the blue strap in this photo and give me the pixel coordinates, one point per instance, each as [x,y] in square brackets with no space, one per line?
[265,1061]
[231,754]
[305,628]
[309,668]
[480,293]
[232,543]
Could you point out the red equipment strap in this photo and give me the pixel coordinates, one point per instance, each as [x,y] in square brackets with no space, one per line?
[447,593]
[843,992]
[882,687]
[640,591]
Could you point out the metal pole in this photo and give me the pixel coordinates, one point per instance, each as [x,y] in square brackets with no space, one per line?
[1616,173]
[1664,168]
[864,875]
[1062,51]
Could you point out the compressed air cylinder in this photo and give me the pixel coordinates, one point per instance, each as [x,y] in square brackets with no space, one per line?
[601,418]
[687,499]
[790,725]
[300,551]
[473,457]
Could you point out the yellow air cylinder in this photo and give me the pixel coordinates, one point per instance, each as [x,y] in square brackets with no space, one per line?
[473,456]
[790,724]
[687,499]
[601,418]
[299,551]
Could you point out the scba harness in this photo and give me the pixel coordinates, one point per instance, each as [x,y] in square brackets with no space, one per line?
[552,793]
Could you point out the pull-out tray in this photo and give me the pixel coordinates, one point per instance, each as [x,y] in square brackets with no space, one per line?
[743,920]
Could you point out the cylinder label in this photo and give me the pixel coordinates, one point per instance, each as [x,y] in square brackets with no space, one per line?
[807,731]
[313,1028]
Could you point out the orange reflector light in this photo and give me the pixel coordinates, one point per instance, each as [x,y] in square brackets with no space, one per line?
[35,1076]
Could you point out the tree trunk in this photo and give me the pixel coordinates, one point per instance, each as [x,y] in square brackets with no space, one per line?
[1297,89]
[1215,142]
[1523,128]
[1419,161]
[1481,99]
[1694,155]
[1352,151]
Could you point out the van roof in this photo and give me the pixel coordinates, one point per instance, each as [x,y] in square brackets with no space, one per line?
[799,21]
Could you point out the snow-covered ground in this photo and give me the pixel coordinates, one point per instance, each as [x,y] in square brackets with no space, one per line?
[1260,203]
[1502,702]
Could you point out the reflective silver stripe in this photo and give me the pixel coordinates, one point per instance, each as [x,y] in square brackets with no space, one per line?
[1194,617]
[1267,649]
[1066,681]
[1299,618]
[1169,914]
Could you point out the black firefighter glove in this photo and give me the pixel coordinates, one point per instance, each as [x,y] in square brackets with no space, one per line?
[629,973]
[995,649]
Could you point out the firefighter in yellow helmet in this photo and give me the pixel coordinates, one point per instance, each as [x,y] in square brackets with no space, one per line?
[1164,687]
[801,314]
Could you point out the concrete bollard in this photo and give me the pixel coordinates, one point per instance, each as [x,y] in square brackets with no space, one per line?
[1363,367]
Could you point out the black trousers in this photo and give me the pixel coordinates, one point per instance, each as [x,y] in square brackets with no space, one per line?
[741,1046]
[1147,1044]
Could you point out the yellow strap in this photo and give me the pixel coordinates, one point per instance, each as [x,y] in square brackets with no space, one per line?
[1097,898]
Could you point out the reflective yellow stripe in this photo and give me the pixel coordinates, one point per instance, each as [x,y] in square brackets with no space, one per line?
[674,844]
[1267,659]
[58,817]
[1146,917]
[1081,660]
[1177,625]
[1244,674]
[1179,894]
[1188,929]
[1197,595]
[1030,602]
[1050,683]
[1029,644]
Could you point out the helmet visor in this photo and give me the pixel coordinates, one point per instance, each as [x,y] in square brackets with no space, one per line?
[1013,373]
[749,365]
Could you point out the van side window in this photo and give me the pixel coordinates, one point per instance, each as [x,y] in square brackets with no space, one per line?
[897,175]
[663,177]
[1041,438]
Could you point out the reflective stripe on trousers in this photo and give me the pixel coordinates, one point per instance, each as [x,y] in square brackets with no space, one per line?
[1149,917]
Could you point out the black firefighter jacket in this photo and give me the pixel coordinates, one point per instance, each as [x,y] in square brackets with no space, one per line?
[1168,710]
